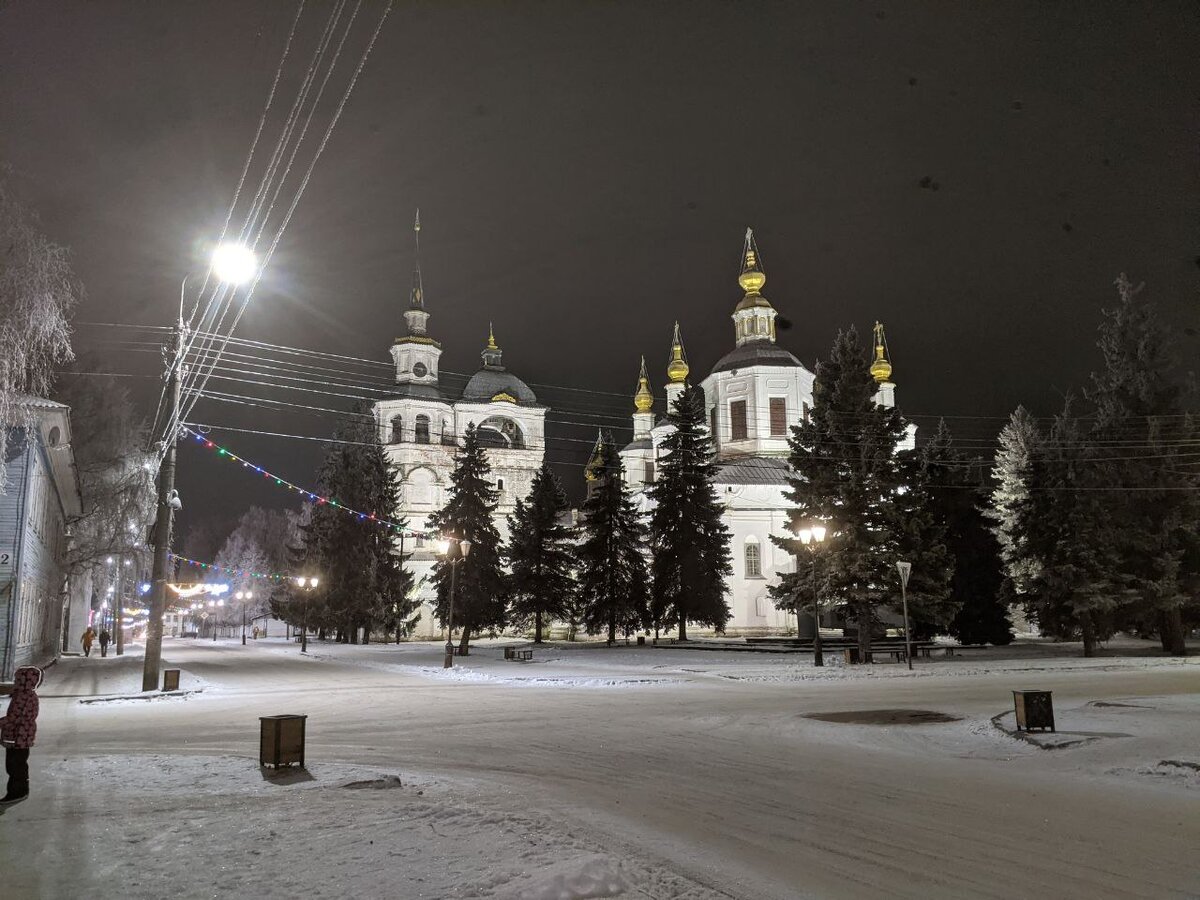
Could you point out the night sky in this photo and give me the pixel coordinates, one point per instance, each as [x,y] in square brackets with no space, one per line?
[975,175]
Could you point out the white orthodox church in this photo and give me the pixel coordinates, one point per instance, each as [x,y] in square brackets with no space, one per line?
[421,422]
[754,394]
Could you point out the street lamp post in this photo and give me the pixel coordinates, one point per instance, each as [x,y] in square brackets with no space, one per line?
[447,548]
[811,537]
[232,264]
[243,598]
[307,585]
[905,569]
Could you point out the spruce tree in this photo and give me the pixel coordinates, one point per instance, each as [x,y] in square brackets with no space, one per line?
[612,571]
[363,578]
[847,476]
[956,494]
[1068,538]
[479,601]
[920,529]
[1019,440]
[1141,439]
[688,537]
[540,581]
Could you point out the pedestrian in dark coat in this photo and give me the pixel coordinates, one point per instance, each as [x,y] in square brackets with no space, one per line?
[86,640]
[18,728]
[105,640]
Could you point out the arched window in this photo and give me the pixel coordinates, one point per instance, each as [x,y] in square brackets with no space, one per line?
[421,426]
[397,429]
[753,559]
[500,484]
[447,433]
[649,472]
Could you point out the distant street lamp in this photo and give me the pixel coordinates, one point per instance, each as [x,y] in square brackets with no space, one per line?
[447,547]
[307,585]
[811,538]
[244,597]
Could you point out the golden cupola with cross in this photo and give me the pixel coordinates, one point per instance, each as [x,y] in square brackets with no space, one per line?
[754,316]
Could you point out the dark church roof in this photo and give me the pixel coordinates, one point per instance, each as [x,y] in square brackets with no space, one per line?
[490,381]
[754,470]
[756,353]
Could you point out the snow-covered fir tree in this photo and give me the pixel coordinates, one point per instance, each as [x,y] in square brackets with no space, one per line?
[847,476]
[540,557]
[479,601]
[688,538]
[612,578]
[1142,438]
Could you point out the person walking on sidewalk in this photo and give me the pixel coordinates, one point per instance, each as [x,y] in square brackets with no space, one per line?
[105,640]
[18,728]
[86,640]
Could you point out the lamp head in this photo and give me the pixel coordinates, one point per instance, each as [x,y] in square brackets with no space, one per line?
[465,547]
[805,535]
[818,533]
[234,263]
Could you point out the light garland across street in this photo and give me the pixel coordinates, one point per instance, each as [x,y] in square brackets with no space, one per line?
[369,518]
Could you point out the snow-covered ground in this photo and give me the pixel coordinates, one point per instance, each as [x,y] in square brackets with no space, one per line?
[610,772]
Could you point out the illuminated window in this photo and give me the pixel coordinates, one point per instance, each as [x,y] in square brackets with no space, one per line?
[753,560]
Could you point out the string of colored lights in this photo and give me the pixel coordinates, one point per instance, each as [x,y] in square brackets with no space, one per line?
[366,517]
[238,573]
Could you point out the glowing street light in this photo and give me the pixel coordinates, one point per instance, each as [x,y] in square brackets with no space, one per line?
[307,584]
[446,547]
[244,597]
[811,537]
[234,263]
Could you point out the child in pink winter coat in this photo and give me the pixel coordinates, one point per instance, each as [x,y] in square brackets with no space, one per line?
[18,728]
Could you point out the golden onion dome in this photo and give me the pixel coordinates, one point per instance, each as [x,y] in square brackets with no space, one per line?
[677,368]
[881,369]
[643,400]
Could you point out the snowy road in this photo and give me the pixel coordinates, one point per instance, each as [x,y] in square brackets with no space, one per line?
[593,772]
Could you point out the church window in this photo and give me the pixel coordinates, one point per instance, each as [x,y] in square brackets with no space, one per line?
[421,425]
[807,412]
[753,560]
[447,433]
[713,422]
[397,429]
[649,474]
[737,420]
[778,417]
[500,484]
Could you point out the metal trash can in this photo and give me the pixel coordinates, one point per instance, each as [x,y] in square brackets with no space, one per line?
[641,640]
[170,680]
[508,653]
[281,740]
[1034,709]
[851,655]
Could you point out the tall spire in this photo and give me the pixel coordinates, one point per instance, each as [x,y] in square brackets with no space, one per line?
[677,368]
[417,296]
[643,400]
[415,315]
[881,369]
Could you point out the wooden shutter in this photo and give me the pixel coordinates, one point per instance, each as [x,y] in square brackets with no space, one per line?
[778,417]
[737,420]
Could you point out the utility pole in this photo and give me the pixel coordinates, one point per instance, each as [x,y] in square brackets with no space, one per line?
[163,522]
[119,607]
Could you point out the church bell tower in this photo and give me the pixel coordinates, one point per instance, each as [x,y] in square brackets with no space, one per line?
[416,354]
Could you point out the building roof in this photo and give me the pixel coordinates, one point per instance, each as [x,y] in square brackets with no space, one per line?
[754,470]
[643,444]
[757,353]
[492,380]
[418,392]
